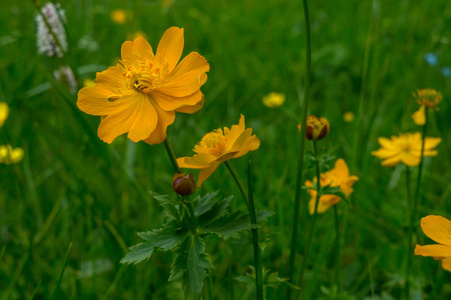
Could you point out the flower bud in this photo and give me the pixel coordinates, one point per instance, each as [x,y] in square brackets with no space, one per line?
[183,185]
[317,128]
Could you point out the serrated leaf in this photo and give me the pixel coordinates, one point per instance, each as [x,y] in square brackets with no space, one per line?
[231,224]
[171,207]
[204,204]
[190,265]
[138,253]
[164,238]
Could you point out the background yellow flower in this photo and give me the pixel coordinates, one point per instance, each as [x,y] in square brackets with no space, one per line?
[8,155]
[405,149]
[119,16]
[4,112]
[437,228]
[218,146]
[337,177]
[274,99]
[141,94]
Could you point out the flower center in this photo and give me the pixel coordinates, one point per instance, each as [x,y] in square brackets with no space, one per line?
[145,76]
[214,143]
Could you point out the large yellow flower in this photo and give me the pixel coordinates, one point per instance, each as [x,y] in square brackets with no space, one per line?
[405,148]
[437,228]
[141,94]
[218,146]
[337,177]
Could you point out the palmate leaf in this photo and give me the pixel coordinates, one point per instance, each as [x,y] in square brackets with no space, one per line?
[231,224]
[138,253]
[164,238]
[171,207]
[190,265]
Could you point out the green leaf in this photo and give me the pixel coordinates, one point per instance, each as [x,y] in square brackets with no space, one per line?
[204,204]
[164,238]
[138,253]
[190,265]
[231,224]
[171,207]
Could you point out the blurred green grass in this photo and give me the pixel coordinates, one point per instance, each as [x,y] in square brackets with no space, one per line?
[71,187]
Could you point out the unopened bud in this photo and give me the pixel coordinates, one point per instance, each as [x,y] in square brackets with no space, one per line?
[317,128]
[183,185]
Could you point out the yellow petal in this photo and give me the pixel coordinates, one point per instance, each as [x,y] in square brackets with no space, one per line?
[192,62]
[433,250]
[94,101]
[4,112]
[392,161]
[143,49]
[139,119]
[170,47]
[198,161]
[111,80]
[165,118]
[386,143]
[431,142]
[409,159]
[253,143]
[184,85]
[205,173]
[168,103]
[437,228]
[192,109]
[419,117]
[446,264]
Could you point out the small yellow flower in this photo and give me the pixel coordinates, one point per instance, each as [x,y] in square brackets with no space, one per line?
[419,117]
[348,116]
[88,83]
[4,112]
[274,99]
[428,97]
[8,155]
[218,146]
[141,94]
[437,228]
[405,149]
[336,177]
[119,16]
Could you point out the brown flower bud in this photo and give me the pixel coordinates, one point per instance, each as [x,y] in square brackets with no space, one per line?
[317,128]
[183,185]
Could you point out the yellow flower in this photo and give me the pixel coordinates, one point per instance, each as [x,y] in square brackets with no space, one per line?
[348,116]
[88,83]
[4,112]
[8,155]
[336,177]
[428,97]
[437,228]
[141,94]
[218,146]
[317,128]
[419,117]
[405,148]
[119,16]
[274,100]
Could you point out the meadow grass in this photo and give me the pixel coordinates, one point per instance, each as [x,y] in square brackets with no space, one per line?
[73,189]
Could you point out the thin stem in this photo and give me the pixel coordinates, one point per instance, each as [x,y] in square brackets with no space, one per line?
[172,156]
[251,208]
[312,223]
[413,211]
[300,164]
[238,183]
[257,251]
[337,248]
[409,239]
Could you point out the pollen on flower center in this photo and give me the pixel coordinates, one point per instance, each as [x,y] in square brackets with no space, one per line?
[212,143]
[145,76]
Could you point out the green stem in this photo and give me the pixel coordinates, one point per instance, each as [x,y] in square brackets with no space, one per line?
[300,164]
[172,156]
[312,224]
[250,205]
[413,211]
[337,248]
